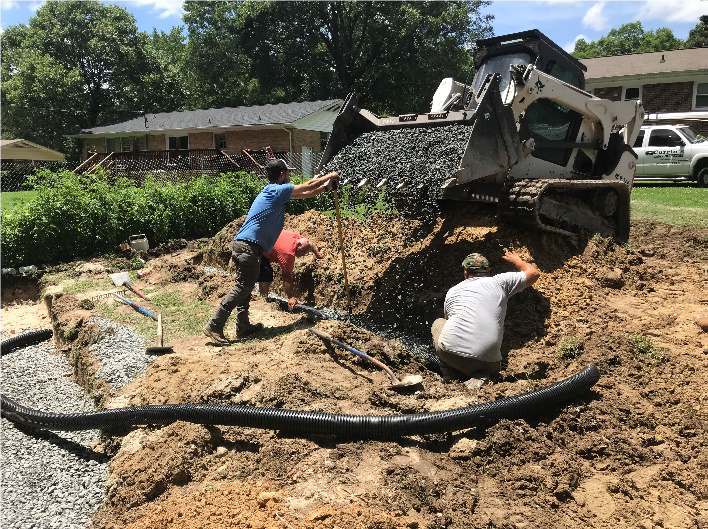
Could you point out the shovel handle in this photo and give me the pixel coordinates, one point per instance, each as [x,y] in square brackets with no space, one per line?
[131,287]
[328,338]
[341,245]
[139,309]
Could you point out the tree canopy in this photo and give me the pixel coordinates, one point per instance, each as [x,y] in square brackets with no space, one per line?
[628,38]
[698,36]
[77,64]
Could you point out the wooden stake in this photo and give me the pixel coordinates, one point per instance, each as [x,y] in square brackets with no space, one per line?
[341,245]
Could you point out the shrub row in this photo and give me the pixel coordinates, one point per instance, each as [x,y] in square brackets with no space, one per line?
[76,216]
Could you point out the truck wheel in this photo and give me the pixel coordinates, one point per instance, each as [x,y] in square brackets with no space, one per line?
[702,179]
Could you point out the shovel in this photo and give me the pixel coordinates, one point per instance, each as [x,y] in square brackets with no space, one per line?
[159,348]
[396,383]
[136,307]
[122,279]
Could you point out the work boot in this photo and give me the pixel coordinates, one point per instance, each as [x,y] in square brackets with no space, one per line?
[247,331]
[215,336]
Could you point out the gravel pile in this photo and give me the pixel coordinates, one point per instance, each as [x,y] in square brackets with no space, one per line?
[49,479]
[121,353]
[415,161]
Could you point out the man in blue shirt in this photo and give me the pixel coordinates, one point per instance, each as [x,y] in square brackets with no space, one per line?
[257,235]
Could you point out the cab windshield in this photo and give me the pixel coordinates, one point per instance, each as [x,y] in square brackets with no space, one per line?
[689,134]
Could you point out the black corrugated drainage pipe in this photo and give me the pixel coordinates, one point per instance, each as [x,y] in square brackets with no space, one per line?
[309,422]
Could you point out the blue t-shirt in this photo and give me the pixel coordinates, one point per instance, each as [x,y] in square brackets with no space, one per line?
[266,217]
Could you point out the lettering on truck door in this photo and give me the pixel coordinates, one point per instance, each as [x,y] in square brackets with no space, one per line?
[664,150]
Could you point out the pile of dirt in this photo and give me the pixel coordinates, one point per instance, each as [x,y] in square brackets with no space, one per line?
[628,454]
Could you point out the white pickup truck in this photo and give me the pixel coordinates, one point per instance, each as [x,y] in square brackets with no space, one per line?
[671,152]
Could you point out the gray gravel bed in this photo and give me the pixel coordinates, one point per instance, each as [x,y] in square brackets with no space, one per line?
[121,353]
[49,479]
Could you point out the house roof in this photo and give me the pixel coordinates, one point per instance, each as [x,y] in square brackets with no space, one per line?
[688,60]
[280,114]
[19,149]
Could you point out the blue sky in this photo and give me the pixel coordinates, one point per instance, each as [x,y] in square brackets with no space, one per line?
[561,20]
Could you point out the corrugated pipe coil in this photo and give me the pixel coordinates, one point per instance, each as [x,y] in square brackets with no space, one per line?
[309,422]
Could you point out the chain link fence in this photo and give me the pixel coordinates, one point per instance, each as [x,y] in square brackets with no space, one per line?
[164,166]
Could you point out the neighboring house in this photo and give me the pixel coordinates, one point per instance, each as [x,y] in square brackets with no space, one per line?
[672,85]
[23,152]
[298,129]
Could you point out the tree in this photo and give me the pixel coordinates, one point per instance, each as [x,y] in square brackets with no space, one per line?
[629,38]
[698,36]
[394,52]
[74,65]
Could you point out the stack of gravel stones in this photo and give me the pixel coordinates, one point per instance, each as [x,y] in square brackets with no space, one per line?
[412,162]
[57,479]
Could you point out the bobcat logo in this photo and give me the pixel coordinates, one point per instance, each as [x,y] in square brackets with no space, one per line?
[539,86]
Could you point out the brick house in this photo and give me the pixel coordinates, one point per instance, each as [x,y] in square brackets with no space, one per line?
[299,130]
[672,85]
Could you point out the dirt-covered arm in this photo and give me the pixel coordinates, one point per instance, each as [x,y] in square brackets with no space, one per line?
[314,186]
[289,289]
[532,273]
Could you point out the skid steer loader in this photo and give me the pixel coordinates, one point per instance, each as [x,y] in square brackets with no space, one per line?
[534,142]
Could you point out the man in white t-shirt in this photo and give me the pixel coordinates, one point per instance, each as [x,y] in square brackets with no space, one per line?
[469,337]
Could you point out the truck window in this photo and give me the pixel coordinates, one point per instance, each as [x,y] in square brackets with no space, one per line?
[689,134]
[664,138]
[640,139]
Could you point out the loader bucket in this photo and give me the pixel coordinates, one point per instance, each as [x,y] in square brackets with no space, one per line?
[430,151]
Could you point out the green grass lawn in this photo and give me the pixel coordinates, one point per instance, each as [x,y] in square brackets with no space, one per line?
[680,205]
[11,199]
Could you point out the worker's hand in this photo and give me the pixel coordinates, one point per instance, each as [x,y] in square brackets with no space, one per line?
[512,257]
[291,303]
[333,182]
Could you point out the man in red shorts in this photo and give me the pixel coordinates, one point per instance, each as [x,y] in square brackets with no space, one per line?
[288,246]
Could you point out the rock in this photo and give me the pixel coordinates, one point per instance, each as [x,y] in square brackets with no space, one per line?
[702,322]
[221,451]
[464,448]
[647,252]
[266,496]
[612,279]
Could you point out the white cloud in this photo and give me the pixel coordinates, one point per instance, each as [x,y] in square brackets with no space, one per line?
[163,8]
[570,47]
[595,18]
[8,4]
[684,11]
[36,5]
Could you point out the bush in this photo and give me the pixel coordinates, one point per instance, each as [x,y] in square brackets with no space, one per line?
[570,347]
[644,349]
[74,216]
[81,215]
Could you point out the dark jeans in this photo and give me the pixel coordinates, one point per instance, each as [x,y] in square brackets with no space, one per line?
[247,257]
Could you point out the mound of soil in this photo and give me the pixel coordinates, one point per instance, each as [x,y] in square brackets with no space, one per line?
[630,453]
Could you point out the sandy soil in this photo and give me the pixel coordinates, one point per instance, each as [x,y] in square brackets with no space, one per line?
[630,454]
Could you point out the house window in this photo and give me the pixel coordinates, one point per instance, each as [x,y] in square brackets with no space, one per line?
[141,143]
[112,144]
[178,143]
[126,144]
[220,141]
[701,95]
[631,93]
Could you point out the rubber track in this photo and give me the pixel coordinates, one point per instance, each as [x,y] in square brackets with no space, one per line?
[25,340]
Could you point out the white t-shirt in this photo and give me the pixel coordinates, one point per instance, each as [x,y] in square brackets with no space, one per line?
[475,310]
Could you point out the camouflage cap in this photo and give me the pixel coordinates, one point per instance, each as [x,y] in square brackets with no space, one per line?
[475,261]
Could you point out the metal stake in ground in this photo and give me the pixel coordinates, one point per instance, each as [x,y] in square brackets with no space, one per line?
[341,245]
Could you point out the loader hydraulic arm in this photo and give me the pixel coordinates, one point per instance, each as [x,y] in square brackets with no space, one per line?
[532,84]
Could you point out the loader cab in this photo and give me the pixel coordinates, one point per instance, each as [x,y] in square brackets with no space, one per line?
[545,121]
